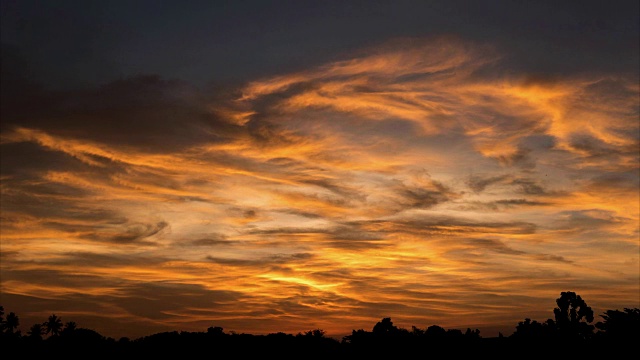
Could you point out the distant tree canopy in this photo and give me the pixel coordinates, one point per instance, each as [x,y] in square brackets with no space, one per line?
[570,326]
[385,326]
[621,324]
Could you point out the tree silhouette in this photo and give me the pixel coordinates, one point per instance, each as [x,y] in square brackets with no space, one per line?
[35,332]
[215,330]
[69,327]
[12,322]
[573,316]
[435,331]
[621,324]
[53,325]
[2,323]
[385,326]
[472,334]
[528,329]
[618,334]
[416,331]
[316,333]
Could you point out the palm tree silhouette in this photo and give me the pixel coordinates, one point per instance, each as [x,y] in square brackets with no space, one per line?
[53,325]
[69,327]
[12,322]
[36,331]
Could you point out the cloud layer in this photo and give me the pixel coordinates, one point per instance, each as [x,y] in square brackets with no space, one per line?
[420,179]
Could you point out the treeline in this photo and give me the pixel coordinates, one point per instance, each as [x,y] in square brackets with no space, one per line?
[570,333]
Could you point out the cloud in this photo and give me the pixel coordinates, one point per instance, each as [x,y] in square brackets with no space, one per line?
[448,226]
[546,257]
[418,179]
[436,84]
[134,233]
[424,193]
[500,247]
[478,184]
[590,219]
[529,187]
[276,259]
[211,240]
[145,113]
[521,202]
[495,245]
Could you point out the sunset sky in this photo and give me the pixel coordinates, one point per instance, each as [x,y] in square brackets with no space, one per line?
[269,166]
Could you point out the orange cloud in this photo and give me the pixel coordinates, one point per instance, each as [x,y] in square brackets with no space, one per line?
[414,180]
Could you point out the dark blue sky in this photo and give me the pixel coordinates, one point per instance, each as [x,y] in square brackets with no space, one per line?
[78,43]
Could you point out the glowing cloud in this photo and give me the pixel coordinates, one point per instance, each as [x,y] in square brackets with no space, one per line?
[414,180]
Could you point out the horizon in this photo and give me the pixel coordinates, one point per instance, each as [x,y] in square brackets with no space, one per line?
[609,323]
[259,165]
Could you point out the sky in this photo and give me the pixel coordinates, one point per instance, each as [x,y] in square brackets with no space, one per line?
[283,166]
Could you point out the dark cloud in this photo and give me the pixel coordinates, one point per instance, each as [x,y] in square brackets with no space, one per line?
[621,181]
[538,142]
[545,257]
[72,259]
[354,234]
[529,187]
[500,205]
[494,245]
[359,244]
[593,147]
[523,185]
[478,183]
[443,225]
[250,214]
[28,161]
[588,220]
[55,206]
[56,273]
[96,41]
[286,258]
[297,212]
[134,233]
[336,188]
[418,197]
[267,261]
[290,231]
[344,236]
[210,240]
[331,275]
[146,113]
[161,300]
[520,202]
[519,158]
[50,278]
[500,247]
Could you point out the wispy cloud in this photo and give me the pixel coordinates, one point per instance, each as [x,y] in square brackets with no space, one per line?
[419,179]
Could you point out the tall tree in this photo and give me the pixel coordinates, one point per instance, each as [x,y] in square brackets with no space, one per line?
[69,327]
[573,316]
[35,332]
[12,322]
[53,325]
